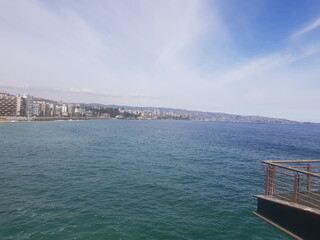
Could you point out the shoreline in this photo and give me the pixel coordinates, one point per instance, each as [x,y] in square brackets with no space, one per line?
[47,119]
[53,119]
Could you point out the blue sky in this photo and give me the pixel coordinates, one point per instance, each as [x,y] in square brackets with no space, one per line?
[250,57]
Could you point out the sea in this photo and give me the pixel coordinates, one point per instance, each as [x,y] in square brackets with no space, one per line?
[131,179]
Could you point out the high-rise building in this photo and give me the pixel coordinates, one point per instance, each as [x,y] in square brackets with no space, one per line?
[57,111]
[42,111]
[50,107]
[8,104]
[70,109]
[64,110]
[28,104]
[19,109]
[36,109]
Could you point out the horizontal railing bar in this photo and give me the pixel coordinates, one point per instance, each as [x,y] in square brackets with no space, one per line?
[284,185]
[281,184]
[286,171]
[282,188]
[282,197]
[303,182]
[292,169]
[317,194]
[288,197]
[306,196]
[290,161]
[284,192]
[287,191]
[310,181]
[309,203]
[306,193]
[284,174]
[284,178]
[302,166]
[315,186]
[289,181]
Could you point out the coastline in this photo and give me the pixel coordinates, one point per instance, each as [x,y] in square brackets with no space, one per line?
[54,119]
[45,119]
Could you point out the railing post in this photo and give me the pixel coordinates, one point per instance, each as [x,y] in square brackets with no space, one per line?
[270,181]
[308,178]
[273,180]
[267,180]
[296,188]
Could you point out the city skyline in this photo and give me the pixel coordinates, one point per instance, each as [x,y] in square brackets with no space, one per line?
[248,58]
[25,107]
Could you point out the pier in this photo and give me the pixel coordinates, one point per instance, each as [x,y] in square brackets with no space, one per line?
[292,197]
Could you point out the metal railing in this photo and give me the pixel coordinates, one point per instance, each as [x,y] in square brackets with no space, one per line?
[294,181]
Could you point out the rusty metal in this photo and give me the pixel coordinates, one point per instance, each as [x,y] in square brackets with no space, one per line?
[294,181]
[291,161]
[292,168]
[308,178]
[267,181]
[296,188]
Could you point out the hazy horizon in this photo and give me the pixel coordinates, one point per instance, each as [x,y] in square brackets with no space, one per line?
[239,57]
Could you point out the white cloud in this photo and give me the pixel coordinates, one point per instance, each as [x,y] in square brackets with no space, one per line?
[115,46]
[310,27]
[85,91]
[144,96]
[15,87]
[141,53]
[260,66]
[78,91]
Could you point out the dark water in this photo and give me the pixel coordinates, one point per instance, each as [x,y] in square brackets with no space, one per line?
[140,179]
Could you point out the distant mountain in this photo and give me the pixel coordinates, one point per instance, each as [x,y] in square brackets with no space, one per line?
[208,116]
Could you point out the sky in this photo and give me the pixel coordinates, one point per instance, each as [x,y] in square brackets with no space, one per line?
[248,57]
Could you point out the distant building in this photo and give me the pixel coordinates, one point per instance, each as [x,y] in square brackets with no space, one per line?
[42,111]
[105,115]
[19,109]
[36,109]
[58,112]
[8,104]
[28,105]
[79,111]
[50,107]
[70,109]
[64,110]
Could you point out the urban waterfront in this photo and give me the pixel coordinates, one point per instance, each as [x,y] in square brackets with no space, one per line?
[24,107]
[141,179]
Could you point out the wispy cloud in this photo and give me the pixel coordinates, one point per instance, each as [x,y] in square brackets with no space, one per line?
[15,87]
[259,66]
[174,53]
[310,27]
[144,96]
[85,91]
[78,91]
[119,46]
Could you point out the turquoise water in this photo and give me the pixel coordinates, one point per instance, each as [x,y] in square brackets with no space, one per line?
[140,179]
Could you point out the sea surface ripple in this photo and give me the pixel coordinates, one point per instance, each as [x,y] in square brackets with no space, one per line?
[141,179]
